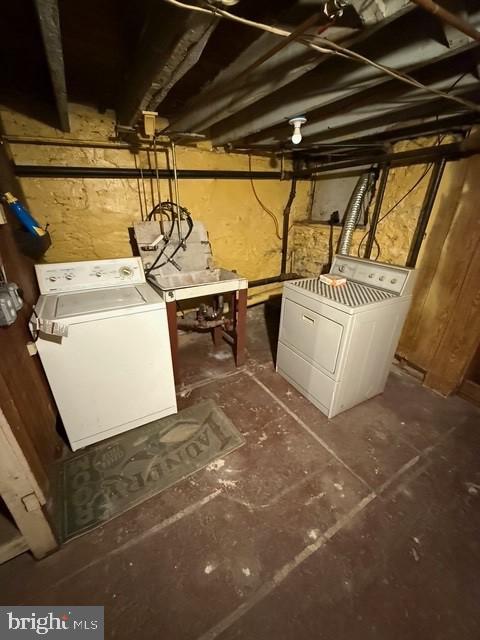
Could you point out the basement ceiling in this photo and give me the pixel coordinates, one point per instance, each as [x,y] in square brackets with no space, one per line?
[239,85]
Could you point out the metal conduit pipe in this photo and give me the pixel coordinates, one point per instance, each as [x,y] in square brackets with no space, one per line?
[364,184]
[50,171]
[272,280]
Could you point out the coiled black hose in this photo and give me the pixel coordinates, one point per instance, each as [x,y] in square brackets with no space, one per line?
[173,211]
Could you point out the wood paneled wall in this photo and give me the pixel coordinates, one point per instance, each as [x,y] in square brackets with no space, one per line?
[25,397]
[443,328]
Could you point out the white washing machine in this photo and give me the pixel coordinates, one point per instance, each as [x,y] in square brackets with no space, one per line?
[103,342]
[336,344]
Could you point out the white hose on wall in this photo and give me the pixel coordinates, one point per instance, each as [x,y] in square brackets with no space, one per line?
[356,205]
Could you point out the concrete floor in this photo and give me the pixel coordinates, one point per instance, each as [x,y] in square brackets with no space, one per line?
[365,526]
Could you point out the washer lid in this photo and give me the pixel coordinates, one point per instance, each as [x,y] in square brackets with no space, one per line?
[351,294]
[74,304]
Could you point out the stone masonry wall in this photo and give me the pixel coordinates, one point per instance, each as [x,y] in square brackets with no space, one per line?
[394,234]
[89,218]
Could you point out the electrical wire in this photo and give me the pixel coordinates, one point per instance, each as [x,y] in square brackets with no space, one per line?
[216,11]
[328,47]
[394,73]
[417,183]
[181,243]
[266,209]
[412,188]
[440,139]
[405,195]
[168,205]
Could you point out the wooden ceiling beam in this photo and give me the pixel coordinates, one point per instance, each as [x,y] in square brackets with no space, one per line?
[375,107]
[231,91]
[171,45]
[48,16]
[411,50]
[412,128]
[425,155]
[426,110]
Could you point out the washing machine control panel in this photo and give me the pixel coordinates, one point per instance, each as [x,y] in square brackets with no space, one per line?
[90,274]
[392,278]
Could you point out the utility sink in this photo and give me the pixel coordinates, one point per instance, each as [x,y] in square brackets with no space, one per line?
[191,274]
[193,284]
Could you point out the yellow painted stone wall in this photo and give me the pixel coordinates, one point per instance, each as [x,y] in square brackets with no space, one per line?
[394,234]
[89,218]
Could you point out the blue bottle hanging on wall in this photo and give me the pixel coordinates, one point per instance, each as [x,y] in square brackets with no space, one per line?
[32,239]
[23,216]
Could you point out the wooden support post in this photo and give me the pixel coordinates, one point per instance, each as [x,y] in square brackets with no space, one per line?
[173,332]
[442,331]
[240,320]
[20,495]
[12,543]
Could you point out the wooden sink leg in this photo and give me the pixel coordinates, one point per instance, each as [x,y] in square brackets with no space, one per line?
[173,332]
[240,320]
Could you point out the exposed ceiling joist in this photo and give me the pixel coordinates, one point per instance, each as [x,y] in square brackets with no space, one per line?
[410,128]
[231,91]
[372,108]
[423,127]
[453,35]
[47,11]
[379,10]
[391,121]
[411,50]
[170,46]
[425,155]
[374,128]
[264,63]
[453,20]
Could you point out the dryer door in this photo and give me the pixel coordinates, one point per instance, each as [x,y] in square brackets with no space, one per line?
[313,335]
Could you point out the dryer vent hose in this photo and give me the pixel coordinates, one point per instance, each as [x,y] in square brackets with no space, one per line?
[359,200]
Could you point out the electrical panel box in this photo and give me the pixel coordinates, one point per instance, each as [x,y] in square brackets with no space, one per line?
[332,191]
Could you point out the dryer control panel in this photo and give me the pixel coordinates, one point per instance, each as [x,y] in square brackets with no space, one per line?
[90,274]
[380,275]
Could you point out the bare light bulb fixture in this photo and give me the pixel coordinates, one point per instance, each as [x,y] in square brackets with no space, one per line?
[297,124]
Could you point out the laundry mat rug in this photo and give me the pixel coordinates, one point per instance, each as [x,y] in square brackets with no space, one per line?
[109,478]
